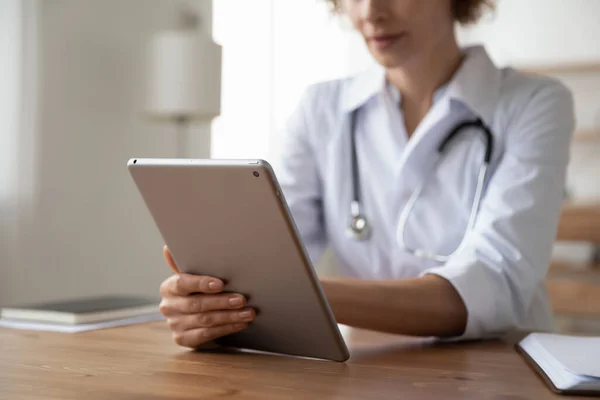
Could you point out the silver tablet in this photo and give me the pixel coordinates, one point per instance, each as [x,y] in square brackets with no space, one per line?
[229,219]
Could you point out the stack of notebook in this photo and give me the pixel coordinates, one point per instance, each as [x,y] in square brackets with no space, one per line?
[81,314]
[569,364]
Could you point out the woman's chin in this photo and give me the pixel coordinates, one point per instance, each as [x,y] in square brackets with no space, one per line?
[391,60]
[392,57]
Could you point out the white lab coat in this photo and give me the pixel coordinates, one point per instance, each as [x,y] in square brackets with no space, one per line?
[499,272]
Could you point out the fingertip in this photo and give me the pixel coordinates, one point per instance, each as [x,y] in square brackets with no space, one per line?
[215,285]
[253,312]
[237,301]
[240,326]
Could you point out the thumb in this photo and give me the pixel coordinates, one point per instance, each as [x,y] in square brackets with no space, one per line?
[169,258]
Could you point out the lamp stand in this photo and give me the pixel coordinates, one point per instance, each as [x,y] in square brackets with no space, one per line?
[182,123]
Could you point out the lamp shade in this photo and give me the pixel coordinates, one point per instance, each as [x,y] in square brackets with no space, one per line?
[184,79]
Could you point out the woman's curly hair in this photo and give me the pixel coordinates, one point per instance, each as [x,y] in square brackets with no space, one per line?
[464,11]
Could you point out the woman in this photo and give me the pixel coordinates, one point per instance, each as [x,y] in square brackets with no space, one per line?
[472,278]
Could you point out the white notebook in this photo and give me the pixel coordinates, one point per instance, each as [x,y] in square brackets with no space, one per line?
[66,328]
[569,364]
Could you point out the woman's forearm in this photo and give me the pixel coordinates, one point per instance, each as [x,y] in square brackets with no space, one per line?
[426,306]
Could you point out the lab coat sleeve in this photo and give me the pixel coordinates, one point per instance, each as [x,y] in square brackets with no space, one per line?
[505,257]
[299,176]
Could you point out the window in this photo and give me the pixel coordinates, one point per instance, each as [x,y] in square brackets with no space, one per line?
[272,50]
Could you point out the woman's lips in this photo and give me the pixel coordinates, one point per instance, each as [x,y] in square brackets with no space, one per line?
[382,42]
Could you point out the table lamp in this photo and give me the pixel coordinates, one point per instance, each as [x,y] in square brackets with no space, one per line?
[184,79]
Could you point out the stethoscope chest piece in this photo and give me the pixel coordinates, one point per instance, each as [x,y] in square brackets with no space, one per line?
[358,228]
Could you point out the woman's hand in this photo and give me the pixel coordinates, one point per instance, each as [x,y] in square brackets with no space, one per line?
[196,309]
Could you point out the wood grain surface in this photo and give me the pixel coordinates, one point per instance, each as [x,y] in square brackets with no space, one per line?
[579,223]
[141,362]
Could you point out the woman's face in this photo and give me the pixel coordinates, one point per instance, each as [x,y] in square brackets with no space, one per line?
[397,30]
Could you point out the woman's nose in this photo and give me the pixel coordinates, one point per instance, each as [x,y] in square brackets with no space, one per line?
[373,10]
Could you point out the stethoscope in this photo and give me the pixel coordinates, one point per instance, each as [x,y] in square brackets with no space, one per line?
[359,227]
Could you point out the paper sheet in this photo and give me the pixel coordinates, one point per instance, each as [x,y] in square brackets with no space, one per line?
[578,354]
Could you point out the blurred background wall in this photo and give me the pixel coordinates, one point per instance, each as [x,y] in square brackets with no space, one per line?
[72,223]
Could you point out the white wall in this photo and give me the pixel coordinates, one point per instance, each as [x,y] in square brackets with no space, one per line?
[10,76]
[537,32]
[81,227]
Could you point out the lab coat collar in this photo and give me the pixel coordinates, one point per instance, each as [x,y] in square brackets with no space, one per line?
[476,84]
[362,87]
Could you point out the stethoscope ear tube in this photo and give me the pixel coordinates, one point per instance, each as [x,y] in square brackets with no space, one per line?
[477,123]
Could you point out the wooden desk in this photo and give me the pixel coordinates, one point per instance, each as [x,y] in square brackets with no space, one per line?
[579,223]
[140,362]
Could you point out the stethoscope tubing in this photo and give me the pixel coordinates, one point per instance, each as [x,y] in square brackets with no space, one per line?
[359,228]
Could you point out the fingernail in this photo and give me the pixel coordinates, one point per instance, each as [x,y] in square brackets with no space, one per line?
[236,301]
[246,315]
[214,285]
[239,326]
